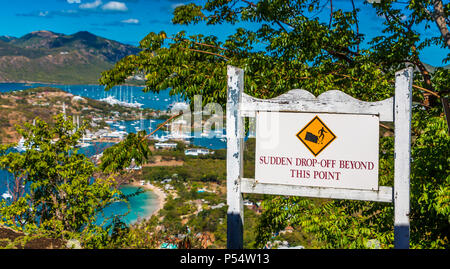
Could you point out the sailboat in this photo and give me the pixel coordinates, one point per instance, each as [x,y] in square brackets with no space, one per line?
[21,145]
[7,195]
[83,143]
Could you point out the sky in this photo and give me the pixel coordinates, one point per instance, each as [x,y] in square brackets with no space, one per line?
[129,21]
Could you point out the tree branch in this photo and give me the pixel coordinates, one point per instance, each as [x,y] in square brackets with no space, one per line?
[162,124]
[439,17]
[357,27]
[199,43]
[211,53]
[331,13]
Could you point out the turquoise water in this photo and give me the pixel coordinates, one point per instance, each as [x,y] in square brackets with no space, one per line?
[141,205]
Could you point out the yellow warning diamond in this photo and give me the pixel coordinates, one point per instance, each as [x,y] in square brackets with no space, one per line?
[316,136]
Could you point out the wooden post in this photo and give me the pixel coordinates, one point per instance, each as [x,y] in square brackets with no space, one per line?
[398,110]
[235,142]
[402,166]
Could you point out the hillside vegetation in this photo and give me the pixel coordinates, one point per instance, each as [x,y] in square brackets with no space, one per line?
[44,56]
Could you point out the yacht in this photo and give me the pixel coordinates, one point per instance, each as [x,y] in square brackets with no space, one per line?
[21,145]
[83,145]
[6,195]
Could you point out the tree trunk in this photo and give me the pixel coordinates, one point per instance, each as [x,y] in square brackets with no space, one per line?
[439,17]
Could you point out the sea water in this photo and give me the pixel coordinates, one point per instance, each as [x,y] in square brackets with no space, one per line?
[138,207]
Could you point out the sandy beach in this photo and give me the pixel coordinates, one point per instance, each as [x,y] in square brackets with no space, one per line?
[160,194]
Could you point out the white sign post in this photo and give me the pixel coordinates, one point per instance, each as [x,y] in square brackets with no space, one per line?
[325,147]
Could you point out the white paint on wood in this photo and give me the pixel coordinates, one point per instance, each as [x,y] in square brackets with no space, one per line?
[383,194]
[333,101]
[345,154]
[402,164]
[240,105]
[235,143]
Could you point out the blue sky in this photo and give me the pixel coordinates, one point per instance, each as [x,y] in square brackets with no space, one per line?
[128,21]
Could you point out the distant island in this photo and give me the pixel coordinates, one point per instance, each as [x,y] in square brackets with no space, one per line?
[45,56]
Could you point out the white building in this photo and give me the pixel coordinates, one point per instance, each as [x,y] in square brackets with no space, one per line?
[197,152]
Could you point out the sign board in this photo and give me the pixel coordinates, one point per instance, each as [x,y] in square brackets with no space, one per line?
[323,147]
[317,149]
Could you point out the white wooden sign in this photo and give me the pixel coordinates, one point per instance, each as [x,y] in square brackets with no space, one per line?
[324,147]
[317,150]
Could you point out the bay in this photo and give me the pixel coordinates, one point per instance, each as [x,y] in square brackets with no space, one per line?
[125,93]
[145,203]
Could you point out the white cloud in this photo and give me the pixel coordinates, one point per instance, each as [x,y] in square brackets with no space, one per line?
[91,5]
[115,6]
[74,1]
[131,21]
[174,6]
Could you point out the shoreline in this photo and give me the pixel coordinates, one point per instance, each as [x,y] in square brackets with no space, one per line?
[63,83]
[160,196]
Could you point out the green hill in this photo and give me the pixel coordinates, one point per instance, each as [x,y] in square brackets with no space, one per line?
[45,56]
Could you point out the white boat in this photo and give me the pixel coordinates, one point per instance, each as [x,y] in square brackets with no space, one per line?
[6,195]
[20,146]
[161,138]
[115,134]
[83,145]
[113,101]
[88,138]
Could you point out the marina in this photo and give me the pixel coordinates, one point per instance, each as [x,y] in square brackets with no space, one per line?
[94,142]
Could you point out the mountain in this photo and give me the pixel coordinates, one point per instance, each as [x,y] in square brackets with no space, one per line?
[7,38]
[45,56]
[432,69]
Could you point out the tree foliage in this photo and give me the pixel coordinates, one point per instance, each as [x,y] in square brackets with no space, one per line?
[291,48]
[133,149]
[64,195]
[288,45]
